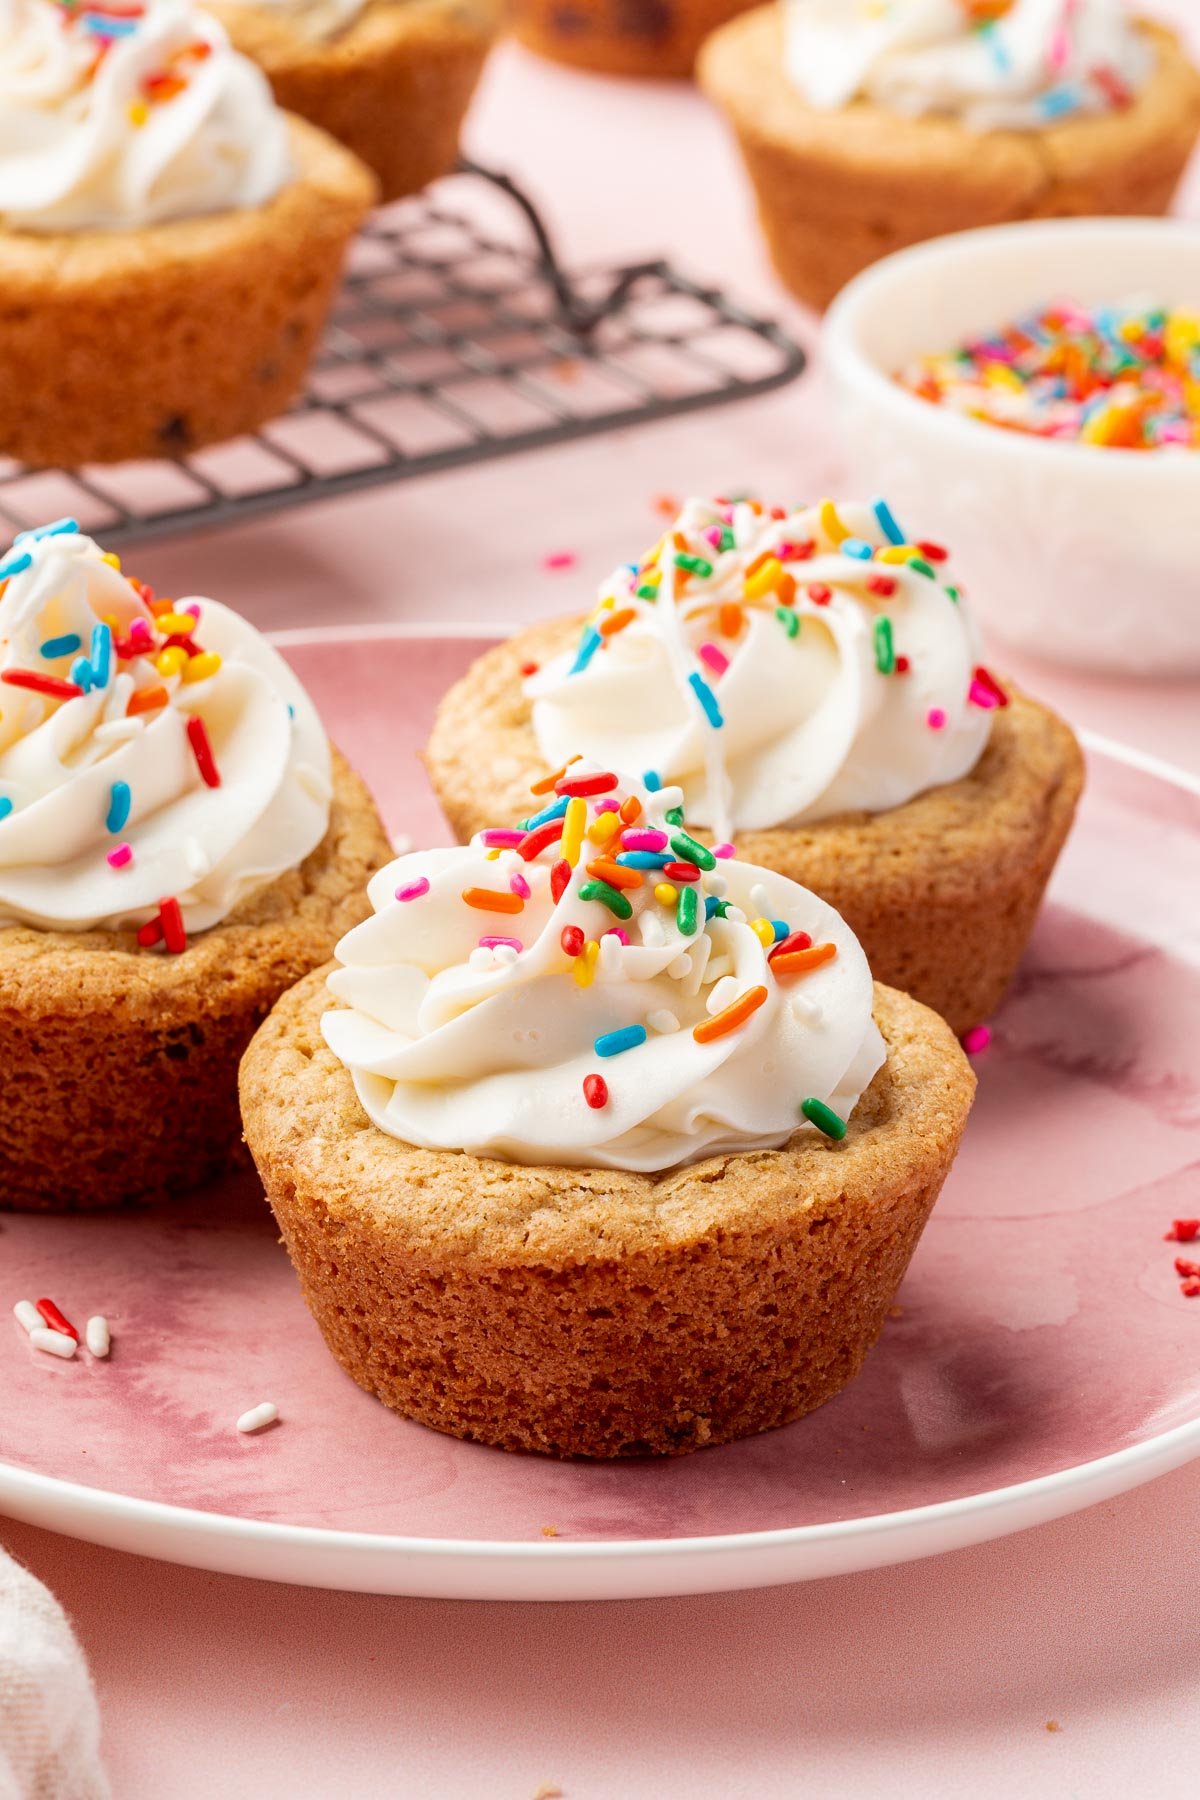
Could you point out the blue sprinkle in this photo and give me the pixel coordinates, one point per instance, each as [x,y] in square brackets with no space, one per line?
[856,547]
[651,781]
[887,522]
[291,710]
[997,48]
[102,643]
[707,699]
[781,930]
[14,563]
[1058,101]
[120,801]
[589,643]
[611,1043]
[644,859]
[554,811]
[711,904]
[66,645]
[5,806]
[60,528]
[103,27]
[81,673]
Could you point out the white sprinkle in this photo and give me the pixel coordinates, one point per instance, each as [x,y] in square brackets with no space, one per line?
[653,930]
[734,915]
[716,883]
[57,1343]
[505,955]
[807,1009]
[118,731]
[662,1020]
[724,993]
[700,952]
[718,968]
[96,1335]
[680,967]
[402,843]
[258,1416]
[480,957]
[27,1314]
[608,965]
[760,901]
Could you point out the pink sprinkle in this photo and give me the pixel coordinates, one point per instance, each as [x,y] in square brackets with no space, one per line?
[935,718]
[713,534]
[979,695]
[643,840]
[615,931]
[518,884]
[790,552]
[716,659]
[192,609]
[560,559]
[501,943]
[1059,49]
[412,890]
[140,632]
[608,806]
[725,851]
[501,840]
[120,857]
[978,1038]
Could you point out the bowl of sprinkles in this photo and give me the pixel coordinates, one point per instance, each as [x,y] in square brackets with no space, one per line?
[1035,390]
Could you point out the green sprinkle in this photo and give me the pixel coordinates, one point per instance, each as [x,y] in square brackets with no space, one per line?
[695,565]
[824,1118]
[721,909]
[727,538]
[885,649]
[607,896]
[674,815]
[647,591]
[954,594]
[922,567]
[789,619]
[687,911]
[688,850]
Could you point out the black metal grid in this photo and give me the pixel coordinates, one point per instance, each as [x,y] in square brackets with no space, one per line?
[450,343]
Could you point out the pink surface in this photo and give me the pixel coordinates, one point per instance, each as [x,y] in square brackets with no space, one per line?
[934,1678]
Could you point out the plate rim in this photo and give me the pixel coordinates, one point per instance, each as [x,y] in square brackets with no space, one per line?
[1062,1490]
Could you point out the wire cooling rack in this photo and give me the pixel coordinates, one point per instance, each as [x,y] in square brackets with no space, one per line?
[455,339]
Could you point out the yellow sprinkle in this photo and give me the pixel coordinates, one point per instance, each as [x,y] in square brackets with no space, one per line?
[605,827]
[585,963]
[764,581]
[112,559]
[110,619]
[897,553]
[574,823]
[176,624]
[199,668]
[170,662]
[492,856]
[139,112]
[665,894]
[831,524]
[764,931]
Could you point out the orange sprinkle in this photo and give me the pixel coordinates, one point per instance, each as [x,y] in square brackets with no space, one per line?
[785,591]
[615,622]
[616,874]
[548,783]
[159,607]
[800,962]
[487,900]
[760,562]
[146,700]
[631,809]
[723,1022]
[731,620]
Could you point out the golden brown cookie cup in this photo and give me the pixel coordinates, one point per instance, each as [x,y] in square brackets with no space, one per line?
[587,1312]
[119,1065]
[942,892]
[621,37]
[837,191]
[394,86]
[130,344]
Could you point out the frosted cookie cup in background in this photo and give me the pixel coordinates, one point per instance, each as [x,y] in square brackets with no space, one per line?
[621,37]
[391,79]
[866,129]
[813,681]
[170,243]
[592,1149]
[178,844]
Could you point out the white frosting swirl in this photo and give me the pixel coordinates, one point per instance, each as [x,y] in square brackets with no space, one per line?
[810,725]
[457,1046]
[114,123]
[68,766]
[1018,67]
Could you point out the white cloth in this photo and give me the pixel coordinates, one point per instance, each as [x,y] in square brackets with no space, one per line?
[49,1723]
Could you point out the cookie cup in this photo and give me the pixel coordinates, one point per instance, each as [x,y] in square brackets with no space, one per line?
[120,1064]
[129,344]
[837,191]
[941,892]
[621,37]
[590,1312]
[394,86]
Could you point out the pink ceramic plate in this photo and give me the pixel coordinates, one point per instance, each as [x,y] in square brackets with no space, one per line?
[1042,1356]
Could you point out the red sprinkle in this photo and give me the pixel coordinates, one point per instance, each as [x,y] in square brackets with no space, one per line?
[149,934]
[202,751]
[530,668]
[535,841]
[819,594]
[560,559]
[595,1091]
[1183,1231]
[932,552]
[1189,1289]
[883,585]
[798,552]
[174,935]
[582,786]
[53,685]
[680,871]
[988,681]
[560,876]
[1184,1267]
[799,940]
[572,940]
[902,665]
[56,1320]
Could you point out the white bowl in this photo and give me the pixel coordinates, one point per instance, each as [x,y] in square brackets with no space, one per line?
[1080,554]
